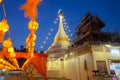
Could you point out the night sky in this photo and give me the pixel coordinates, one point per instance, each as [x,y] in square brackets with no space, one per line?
[74,10]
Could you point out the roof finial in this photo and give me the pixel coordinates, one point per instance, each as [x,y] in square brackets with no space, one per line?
[60,12]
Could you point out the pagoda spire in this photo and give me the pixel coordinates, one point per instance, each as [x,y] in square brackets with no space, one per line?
[61,41]
[61,35]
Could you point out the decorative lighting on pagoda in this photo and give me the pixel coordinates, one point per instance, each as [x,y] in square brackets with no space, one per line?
[44,42]
[69,39]
[49,34]
[65,23]
[108,45]
[47,38]
[64,20]
[51,29]
[68,35]
[66,56]
[55,22]
[41,46]
[71,34]
[65,28]
[57,19]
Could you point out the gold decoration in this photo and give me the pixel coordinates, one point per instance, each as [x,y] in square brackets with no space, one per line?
[61,39]
[34,37]
[10,49]
[33,25]
[4,25]
[0,1]
[7,43]
[12,55]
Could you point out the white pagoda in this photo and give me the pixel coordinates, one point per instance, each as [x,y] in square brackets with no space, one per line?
[61,41]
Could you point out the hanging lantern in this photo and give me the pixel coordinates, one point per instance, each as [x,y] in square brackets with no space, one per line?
[1,60]
[0,1]
[7,43]
[33,25]
[12,54]
[33,43]
[4,25]
[10,49]
[0,26]
[34,37]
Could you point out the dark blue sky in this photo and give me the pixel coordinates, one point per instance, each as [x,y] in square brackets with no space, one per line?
[74,10]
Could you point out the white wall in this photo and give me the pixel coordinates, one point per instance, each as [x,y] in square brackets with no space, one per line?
[55,69]
[74,67]
[104,53]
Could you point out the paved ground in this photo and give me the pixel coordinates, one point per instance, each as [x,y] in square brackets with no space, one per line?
[23,77]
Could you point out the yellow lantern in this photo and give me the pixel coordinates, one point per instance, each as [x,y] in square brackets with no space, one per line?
[33,25]
[0,26]
[10,49]
[33,43]
[0,1]
[34,37]
[1,59]
[7,43]
[4,25]
[12,54]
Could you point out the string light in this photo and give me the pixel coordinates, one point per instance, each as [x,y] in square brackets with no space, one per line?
[71,34]
[57,19]
[66,27]
[69,30]
[55,22]
[64,23]
[51,29]
[64,20]
[44,42]
[49,33]
[47,38]
[41,47]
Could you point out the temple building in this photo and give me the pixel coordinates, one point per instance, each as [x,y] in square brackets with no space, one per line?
[91,51]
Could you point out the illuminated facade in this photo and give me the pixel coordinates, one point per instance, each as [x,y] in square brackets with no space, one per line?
[91,50]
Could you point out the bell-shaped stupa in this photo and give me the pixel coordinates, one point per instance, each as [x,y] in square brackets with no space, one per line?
[61,41]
